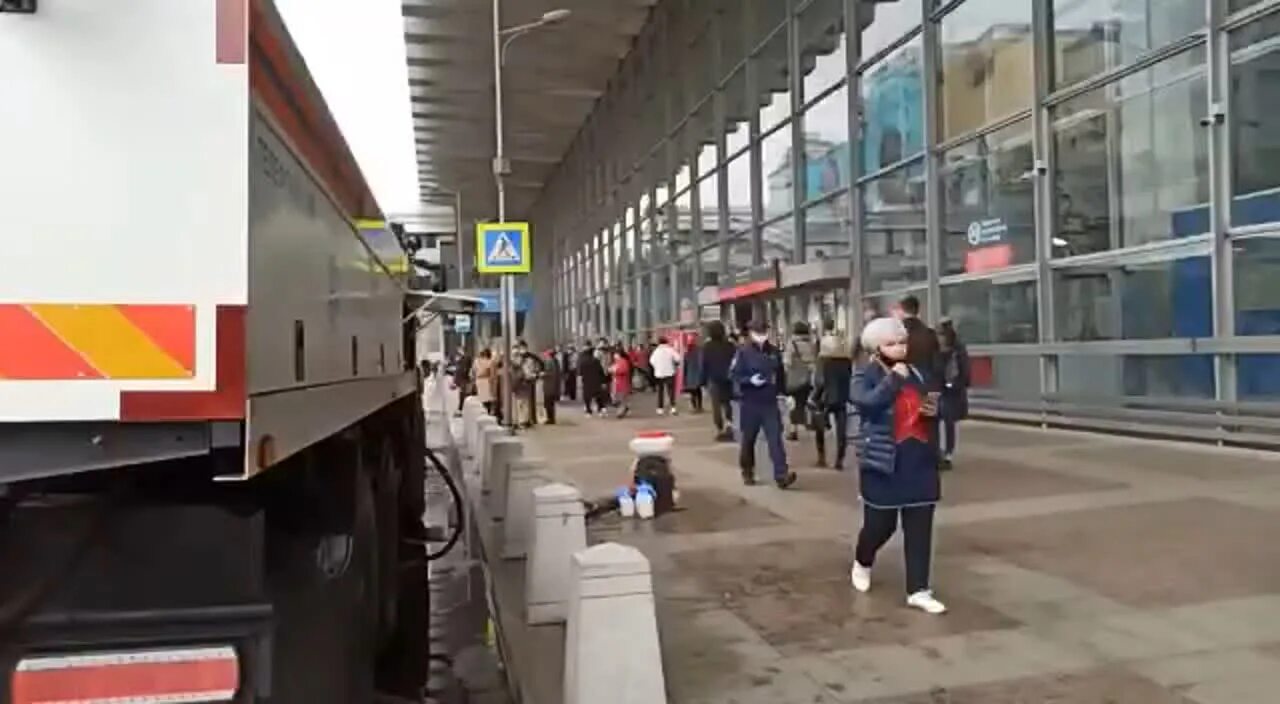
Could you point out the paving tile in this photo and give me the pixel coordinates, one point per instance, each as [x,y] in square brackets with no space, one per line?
[796,594]
[1188,461]
[1210,667]
[706,510]
[987,434]
[1157,554]
[1108,685]
[974,480]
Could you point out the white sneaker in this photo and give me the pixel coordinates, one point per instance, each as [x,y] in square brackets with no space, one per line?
[925,602]
[861,577]
[675,412]
[660,411]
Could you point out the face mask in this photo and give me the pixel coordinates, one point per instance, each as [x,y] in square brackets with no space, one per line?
[759,339]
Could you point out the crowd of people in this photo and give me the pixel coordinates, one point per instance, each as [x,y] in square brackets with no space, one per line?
[904,382]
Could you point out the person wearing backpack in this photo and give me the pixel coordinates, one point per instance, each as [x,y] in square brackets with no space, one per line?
[801,353]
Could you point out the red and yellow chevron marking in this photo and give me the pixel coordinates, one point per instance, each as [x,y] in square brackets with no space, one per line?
[58,341]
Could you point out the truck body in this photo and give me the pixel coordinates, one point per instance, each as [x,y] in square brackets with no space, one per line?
[207,407]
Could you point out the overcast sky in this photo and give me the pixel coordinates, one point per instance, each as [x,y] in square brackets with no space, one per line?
[356,53]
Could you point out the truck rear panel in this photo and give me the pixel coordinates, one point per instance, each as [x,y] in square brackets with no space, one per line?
[180,242]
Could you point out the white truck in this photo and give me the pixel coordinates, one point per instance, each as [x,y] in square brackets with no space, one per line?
[210,429]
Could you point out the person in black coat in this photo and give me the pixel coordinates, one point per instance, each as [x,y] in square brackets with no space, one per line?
[717,356]
[591,373]
[922,344]
[550,384]
[569,366]
[954,365]
[832,377]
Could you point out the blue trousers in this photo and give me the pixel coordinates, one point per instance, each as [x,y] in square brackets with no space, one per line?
[753,418]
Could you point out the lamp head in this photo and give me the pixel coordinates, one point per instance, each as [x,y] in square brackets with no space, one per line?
[555,16]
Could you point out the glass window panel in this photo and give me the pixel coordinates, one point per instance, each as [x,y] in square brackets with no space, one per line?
[894,251]
[893,112]
[1095,36]
[706,159]
[738,111]
[1008,376]
[775,161]
[774,81]
[1237,5]
[1257,286]
[709,199]
[778,238]
[663,281]
[647,307]
[682,177]
[710,266]
[1146,300]
[886,23]
[1092,376]
[686,295]
[739,176]
[827,229]
[1132,160]
[988,198]
[1258,377]
[740,254]
[986,71]
[890,304]
[822,46]
[826,145]
[1255,122]
[993,310]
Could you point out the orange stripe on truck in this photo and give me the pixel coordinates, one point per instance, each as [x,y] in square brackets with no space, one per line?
[60,341]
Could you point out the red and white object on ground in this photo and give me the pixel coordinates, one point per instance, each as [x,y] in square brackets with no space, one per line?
[656,442]
[200,674]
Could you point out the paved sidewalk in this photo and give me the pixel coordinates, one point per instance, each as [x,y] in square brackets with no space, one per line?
[1078,569]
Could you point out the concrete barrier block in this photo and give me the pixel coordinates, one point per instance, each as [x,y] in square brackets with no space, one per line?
[558,532]
[612,652]
[470,441]
[472,409]
[527,474]
[489,434]
[476,446]
[503,452]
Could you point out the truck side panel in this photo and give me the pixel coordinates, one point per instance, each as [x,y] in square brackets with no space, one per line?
[324,330]
[124,183]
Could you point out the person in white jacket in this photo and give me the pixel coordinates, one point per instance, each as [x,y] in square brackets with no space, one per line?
[665,361]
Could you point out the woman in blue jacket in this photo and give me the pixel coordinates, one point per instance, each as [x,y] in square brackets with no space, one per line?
[898,463]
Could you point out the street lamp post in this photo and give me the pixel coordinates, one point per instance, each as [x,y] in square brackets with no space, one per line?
[501,167]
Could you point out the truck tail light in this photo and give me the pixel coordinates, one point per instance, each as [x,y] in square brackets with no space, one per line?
[200,674]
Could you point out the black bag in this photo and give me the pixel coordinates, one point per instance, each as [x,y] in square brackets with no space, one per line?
[655,470]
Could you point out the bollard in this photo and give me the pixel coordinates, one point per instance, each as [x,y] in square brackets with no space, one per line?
[472,409]
[527,474]
[612,653]
[477,440]
[503,451]
[489,434]
[558,532]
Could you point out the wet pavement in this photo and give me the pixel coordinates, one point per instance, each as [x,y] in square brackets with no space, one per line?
[1078,568]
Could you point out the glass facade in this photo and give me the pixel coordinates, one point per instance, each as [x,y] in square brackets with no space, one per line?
[1085,187]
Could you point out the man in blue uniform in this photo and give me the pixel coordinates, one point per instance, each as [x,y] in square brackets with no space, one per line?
[757,372]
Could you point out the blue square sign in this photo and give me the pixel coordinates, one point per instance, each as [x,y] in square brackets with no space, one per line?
[503,248]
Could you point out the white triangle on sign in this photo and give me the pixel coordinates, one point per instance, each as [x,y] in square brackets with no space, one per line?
[503,250]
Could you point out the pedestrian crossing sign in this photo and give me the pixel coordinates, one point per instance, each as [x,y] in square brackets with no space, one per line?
[503,248]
